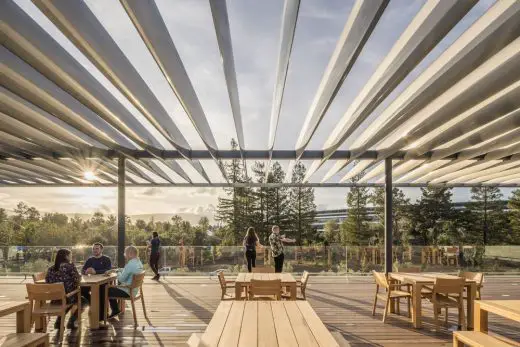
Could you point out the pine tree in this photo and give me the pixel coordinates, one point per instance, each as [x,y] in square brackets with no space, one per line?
[277,199]
[302,209]
[400,214]
[233,210]
[514,216]
[259,205]
[487,210]
[432,214]
[355,229]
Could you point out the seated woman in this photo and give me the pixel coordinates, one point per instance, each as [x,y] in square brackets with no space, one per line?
[133,266]
[64,271]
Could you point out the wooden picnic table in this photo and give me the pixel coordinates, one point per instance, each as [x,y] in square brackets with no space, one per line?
[94,282]
[243,280]
[418,280]
[506,308]
[23,314]
[266,323]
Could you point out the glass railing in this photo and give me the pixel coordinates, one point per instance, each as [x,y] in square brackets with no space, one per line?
[326,260]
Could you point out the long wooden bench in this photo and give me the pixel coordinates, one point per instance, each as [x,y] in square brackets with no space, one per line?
[25,340]
[476,339]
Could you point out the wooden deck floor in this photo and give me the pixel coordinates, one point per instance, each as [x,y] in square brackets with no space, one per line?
[180,306]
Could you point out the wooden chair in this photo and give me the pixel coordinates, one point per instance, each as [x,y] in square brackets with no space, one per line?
[137,283]
[478,277]
[25,340]
[393,294]
[40,294]
[448,292]
[39,276]
[224,285]
[302,284]
[265,290]
[263,270]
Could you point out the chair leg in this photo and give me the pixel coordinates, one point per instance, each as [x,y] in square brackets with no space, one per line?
[409,310]
[374,308]
[387,308]
[446,317]
[105,315]
[133,311]
[436,317]
[398,304]
[62,327]
[462,318]
[144,307]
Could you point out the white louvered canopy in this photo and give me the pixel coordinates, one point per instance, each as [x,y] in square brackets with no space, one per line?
[456,123]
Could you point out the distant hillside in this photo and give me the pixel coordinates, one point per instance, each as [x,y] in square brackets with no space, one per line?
[193,218]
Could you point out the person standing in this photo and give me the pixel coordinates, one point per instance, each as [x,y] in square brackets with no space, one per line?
[154,246]
[97,264]
[250,243]
[276,241]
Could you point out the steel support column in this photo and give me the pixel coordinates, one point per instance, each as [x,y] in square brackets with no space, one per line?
[121,212]
[388,215]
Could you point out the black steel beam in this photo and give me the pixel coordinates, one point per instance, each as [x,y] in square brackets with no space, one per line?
[388,215]
[121,232]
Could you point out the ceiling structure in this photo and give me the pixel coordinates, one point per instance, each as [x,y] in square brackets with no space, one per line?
[457,123]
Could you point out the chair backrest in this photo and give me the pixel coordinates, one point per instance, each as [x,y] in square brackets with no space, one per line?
[46,292]
[478,277]
[263,269]
[222,280]
[137,280]
[448,286]
[380,279]
[39,276]
[266,287]
[410,269]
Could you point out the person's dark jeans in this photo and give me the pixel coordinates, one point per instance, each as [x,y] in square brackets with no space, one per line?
[278,263]
[118,293]
[251,259]
[85,292]
[154,262]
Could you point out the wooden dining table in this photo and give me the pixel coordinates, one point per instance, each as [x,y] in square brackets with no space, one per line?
[266,323]
[419,280]
[243,281]
[506,308]
[94,282]
[23,314]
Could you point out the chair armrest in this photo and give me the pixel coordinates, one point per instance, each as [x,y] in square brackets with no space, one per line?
[74,292]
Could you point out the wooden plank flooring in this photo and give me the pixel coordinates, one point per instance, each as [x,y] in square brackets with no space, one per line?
[180,306]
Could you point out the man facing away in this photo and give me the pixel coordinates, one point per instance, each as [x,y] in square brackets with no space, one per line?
[95,265]
[125,276]
[276,241]
[154,245]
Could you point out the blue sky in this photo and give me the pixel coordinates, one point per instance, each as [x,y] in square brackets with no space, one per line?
[255,29]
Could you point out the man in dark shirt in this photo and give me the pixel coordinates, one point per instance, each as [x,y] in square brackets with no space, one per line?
[95,265]
[98,263]
[154,246]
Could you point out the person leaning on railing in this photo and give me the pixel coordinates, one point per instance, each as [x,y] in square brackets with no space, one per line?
[124,276]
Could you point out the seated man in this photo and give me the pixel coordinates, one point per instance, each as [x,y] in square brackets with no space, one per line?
[124,276]
[96,264]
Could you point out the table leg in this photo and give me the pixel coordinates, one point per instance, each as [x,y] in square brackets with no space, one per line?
[416,310]
[472,294]
[238,291]
[481,319]
[293,291]
[23,320]
[40,322]
[94,307]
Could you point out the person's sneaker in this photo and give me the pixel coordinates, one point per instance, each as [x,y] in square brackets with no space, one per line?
[155,278]
[158,277]
[113,314]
